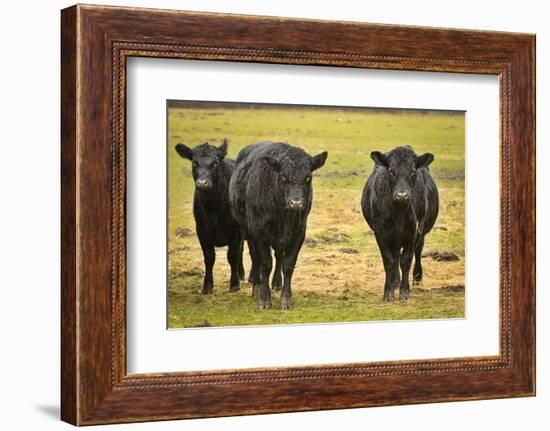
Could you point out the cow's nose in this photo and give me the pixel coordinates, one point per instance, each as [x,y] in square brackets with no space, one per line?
[296,203]
[402,196]
[202,184]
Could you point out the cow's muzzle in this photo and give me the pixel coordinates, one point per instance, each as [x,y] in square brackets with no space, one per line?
[401,196]
[203,184]
[296,204]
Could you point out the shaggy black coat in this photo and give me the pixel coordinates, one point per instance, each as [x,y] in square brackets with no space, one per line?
[400,203]
[214,222]
[271,195]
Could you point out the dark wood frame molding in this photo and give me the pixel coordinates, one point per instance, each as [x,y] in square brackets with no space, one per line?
[95,43]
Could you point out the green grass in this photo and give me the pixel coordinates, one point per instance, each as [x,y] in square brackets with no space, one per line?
[339,275]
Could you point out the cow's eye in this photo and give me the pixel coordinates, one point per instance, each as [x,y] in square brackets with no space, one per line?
[195,164]
[215,165]
[308,179]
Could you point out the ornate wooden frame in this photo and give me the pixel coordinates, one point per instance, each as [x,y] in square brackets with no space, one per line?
[95,43]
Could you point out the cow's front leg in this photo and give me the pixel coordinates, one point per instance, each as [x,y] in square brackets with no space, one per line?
[417,271]
[289,259]
[390,259]
[277,281]
[289,263]
[405,263]
[253,274]
[392,277]
[234,256]
[241,266]
[209,254]
[264,264]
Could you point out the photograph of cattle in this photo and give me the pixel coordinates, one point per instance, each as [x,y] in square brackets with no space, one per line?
[296,214]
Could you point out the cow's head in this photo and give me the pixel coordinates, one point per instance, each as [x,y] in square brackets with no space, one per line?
[401,165]
[294,172]
[207,163]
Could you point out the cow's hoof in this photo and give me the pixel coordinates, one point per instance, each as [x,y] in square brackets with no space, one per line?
[404,295]
[417,279]
[286,303]
[207,290]
[234,288]
[276,288]
[264,305]
[389,297]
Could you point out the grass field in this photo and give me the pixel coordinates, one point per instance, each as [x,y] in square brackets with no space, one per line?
[339,275]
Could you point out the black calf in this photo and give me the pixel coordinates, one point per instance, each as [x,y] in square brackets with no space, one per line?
[271,195]
[400,203]
[215,225]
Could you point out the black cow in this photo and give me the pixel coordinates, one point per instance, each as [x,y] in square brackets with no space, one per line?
[400,203]
[271,195]
[215,225]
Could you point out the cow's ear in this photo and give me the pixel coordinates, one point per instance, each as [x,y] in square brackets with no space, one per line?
[222,149]
[379,158]
[184,151]
[424,160]
[272,163]
[318,160]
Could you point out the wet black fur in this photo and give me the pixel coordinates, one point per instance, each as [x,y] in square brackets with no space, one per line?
[400,226]
[268,178]
[214,222]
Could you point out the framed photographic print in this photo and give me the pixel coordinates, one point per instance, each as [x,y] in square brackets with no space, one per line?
[281,215]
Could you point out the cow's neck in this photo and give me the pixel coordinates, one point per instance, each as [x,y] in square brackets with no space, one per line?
[212,198]
[402,212]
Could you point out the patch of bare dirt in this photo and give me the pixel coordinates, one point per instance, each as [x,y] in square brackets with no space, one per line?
[331,237]
[441,256]
[191,272]
[183,232]
[456,288]
[204,324]
[349,250]
[178,249]
[336,174]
